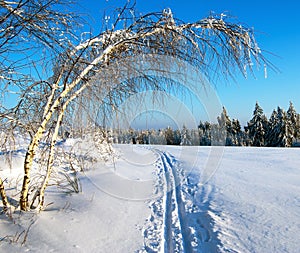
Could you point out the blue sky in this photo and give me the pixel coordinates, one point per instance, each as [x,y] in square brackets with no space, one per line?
[276,25]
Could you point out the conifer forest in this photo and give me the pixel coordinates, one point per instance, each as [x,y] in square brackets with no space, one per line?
[281,129]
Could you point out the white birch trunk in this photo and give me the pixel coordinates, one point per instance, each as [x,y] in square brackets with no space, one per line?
[40,193]
[31,152]
[3,196]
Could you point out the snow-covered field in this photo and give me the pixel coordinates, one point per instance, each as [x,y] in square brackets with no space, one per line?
[169,199]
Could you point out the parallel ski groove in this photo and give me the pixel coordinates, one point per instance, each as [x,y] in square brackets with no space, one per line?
[185,232]
[176,235]
[180,221]
[168,242]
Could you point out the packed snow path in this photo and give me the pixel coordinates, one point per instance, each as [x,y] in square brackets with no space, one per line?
[175,232]
[184,227]
[153,199]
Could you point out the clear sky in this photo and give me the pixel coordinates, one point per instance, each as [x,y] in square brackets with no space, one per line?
[276,25]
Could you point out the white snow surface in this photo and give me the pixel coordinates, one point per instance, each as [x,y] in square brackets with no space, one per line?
[167,199]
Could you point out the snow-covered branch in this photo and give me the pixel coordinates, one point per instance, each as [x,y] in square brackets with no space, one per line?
[106,68]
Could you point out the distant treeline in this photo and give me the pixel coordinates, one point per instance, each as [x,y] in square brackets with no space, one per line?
[282,129]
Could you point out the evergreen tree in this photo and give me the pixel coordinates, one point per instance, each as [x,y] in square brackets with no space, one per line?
[151,137]
[195,140]
[160,137]
[224,120]
[143,137]
[292,121]
[185,137]
[169,135]
[257,127]
[270,138]
[236,132]
[201,129]
[225,127]
[281,130]
[204,130]
[217,135]
[280,133]
[247,141]
[298,128]
[177,137]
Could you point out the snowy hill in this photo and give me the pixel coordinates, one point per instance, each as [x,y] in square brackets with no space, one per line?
[169,199]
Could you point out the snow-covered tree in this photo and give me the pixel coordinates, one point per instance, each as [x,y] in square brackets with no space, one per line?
[225,125]
[270,138]
[257,127]
[279,132]
[177,137]
[298,128]
[237,133]
[32,34]
[205,133]
[195,140]
[151,136]
[88,70]
[186,139]
[224,120]
[159,137]
[292,121]
[169,135]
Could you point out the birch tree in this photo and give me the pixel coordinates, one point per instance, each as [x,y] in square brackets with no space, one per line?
[32,32]
[98,66]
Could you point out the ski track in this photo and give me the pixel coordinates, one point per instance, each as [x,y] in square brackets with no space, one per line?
[179,220]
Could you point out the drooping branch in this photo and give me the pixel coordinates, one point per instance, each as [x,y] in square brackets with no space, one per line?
[211,44]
